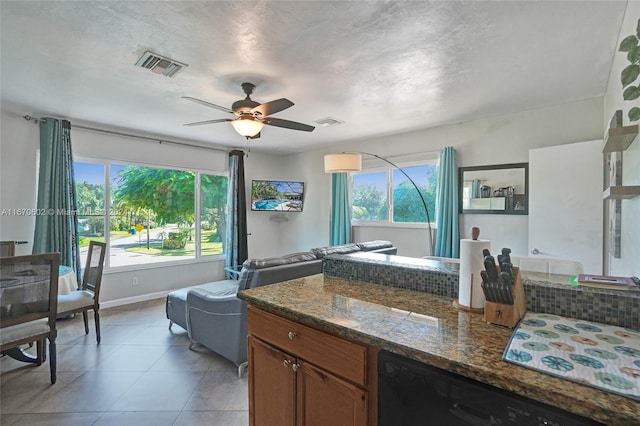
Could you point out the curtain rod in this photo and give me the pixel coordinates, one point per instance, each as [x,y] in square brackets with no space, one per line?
[128,135]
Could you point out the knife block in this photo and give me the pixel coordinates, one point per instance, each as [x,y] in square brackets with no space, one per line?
[508,315]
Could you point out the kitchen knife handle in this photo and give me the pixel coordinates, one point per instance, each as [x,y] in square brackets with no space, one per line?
[507,268]
[506,278]
[490,266]
[485,291]
[506,255]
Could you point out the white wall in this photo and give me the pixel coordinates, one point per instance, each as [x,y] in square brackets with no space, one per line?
[19,142]
[311,227]
[270,237]
[491,140]
[629,263]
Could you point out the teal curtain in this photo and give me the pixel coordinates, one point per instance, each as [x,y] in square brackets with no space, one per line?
[236,247]
[447,234]
[57,228]
[340,210]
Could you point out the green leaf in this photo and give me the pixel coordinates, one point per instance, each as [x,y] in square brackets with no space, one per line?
[634,55]
[629,74]
[631,93]
[634,114]
[628,43]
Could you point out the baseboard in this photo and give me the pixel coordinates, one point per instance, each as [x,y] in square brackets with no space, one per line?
[134,299]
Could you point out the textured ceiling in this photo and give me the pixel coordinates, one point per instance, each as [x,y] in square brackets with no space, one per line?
[382,67]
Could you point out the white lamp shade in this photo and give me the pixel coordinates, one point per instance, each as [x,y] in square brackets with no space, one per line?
[247,127]
[342,163]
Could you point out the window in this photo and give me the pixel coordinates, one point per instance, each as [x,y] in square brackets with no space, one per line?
[388,196]
[152,215]
[213,215]
[369,194]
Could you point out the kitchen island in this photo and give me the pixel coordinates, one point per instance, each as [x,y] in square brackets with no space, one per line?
[429,329]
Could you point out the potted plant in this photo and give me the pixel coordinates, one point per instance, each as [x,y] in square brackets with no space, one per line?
[631,72]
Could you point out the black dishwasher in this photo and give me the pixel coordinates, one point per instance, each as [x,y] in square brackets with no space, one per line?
[411,393]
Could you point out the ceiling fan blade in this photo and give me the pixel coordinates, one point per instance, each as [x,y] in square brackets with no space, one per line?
[278,122]
[200,123]
[209,104]
[256,136]
[273,107]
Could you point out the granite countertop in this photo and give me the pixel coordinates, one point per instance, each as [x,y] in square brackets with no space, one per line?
[430,329]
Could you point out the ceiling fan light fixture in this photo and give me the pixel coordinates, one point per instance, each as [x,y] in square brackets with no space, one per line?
[247,127]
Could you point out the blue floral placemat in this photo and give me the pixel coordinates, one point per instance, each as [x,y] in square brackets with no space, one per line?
[603,356]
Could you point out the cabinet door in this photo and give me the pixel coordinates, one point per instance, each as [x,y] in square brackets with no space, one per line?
[272,386]
[565,203]
[324,399]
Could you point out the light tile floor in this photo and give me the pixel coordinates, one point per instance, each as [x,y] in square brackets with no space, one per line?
[140,374]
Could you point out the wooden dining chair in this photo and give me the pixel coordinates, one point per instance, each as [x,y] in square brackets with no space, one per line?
[28,306]
[7,248]
[87,297]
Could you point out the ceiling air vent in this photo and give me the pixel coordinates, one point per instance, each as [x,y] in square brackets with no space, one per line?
[159,64]
[329,121]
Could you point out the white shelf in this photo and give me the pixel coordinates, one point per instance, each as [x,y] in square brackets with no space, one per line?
[620,138]
[492,203]
[621,192]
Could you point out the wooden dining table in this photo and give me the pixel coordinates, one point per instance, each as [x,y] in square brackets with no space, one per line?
[67,283]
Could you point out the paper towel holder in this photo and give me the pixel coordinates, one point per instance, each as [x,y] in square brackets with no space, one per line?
[460,307]
[475,233]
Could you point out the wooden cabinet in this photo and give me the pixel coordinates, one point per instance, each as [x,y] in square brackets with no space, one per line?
[272,385]
[304,377]
[324,399]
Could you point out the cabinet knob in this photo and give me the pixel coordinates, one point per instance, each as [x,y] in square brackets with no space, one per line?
[295,367]
[286,363]
[292,334]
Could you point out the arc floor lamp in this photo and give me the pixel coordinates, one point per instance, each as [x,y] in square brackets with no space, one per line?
[346,162]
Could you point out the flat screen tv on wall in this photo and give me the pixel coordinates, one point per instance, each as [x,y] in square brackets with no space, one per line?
[277,195]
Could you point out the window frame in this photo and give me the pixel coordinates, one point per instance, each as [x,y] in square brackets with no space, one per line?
[198,257]
[389,223]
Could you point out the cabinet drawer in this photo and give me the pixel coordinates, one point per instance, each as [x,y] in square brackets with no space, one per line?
[332,353]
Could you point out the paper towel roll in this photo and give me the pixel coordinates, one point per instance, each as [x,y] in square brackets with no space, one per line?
[470,293]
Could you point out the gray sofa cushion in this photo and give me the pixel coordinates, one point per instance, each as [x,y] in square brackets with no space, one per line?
[281,260]
[374,245]
[219,323]
[176,306]
[251,277]
[321,252]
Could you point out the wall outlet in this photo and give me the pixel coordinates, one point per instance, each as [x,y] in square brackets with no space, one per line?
[134,281]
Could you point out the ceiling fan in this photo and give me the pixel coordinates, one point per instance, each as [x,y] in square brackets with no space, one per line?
[251,116]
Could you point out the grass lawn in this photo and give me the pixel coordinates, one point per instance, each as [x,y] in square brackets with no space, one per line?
[208,247]
[84,241]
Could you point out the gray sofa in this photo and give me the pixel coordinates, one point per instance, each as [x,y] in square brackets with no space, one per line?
[215,318]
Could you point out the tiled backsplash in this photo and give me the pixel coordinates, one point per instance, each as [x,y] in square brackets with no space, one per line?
[620,308]
[408,273]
